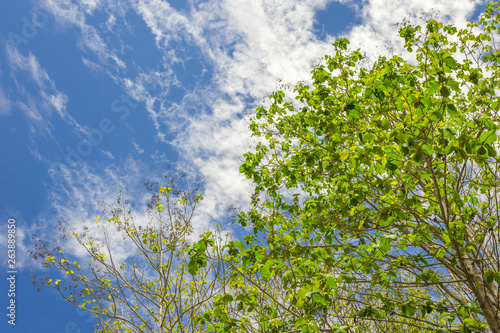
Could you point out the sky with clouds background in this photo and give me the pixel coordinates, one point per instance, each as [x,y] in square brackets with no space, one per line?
[102,95]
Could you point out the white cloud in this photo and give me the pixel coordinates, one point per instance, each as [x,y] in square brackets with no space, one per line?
[69,14]
[5,103]
[164,21]
[108,154]
[78,196]
[246,45]
[137,148]
[152,87]
[93,65]
[89,5]
[250,43]
[38,108]
[111,22]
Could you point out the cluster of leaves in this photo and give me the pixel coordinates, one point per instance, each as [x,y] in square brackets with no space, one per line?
[148,289]
[375,209]
[394,223]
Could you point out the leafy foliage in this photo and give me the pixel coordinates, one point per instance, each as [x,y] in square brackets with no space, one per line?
[138,281]
[379,194]
[375,209]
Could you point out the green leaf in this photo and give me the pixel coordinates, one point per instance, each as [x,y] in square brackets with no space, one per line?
[227,298]
[193,267]
[442,330]
[239,244]
[432,87]
[344,155]
[331,282]
[340,329]
[265,270]
[450,62]
[299,323]
[408,309]
[488,136]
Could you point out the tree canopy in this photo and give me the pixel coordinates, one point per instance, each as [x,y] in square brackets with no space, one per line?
[133,276]
[375,208]
[376,204]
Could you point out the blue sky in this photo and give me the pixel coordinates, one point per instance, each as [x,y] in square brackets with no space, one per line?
[99,95]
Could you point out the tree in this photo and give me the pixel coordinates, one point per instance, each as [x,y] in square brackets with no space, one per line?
[379,193]
[149,290]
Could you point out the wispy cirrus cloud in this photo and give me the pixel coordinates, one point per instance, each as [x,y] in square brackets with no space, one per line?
[137,148]
[70,13]
[5,103]
[38,105]
[246,45]
[223,57]
[79,195]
